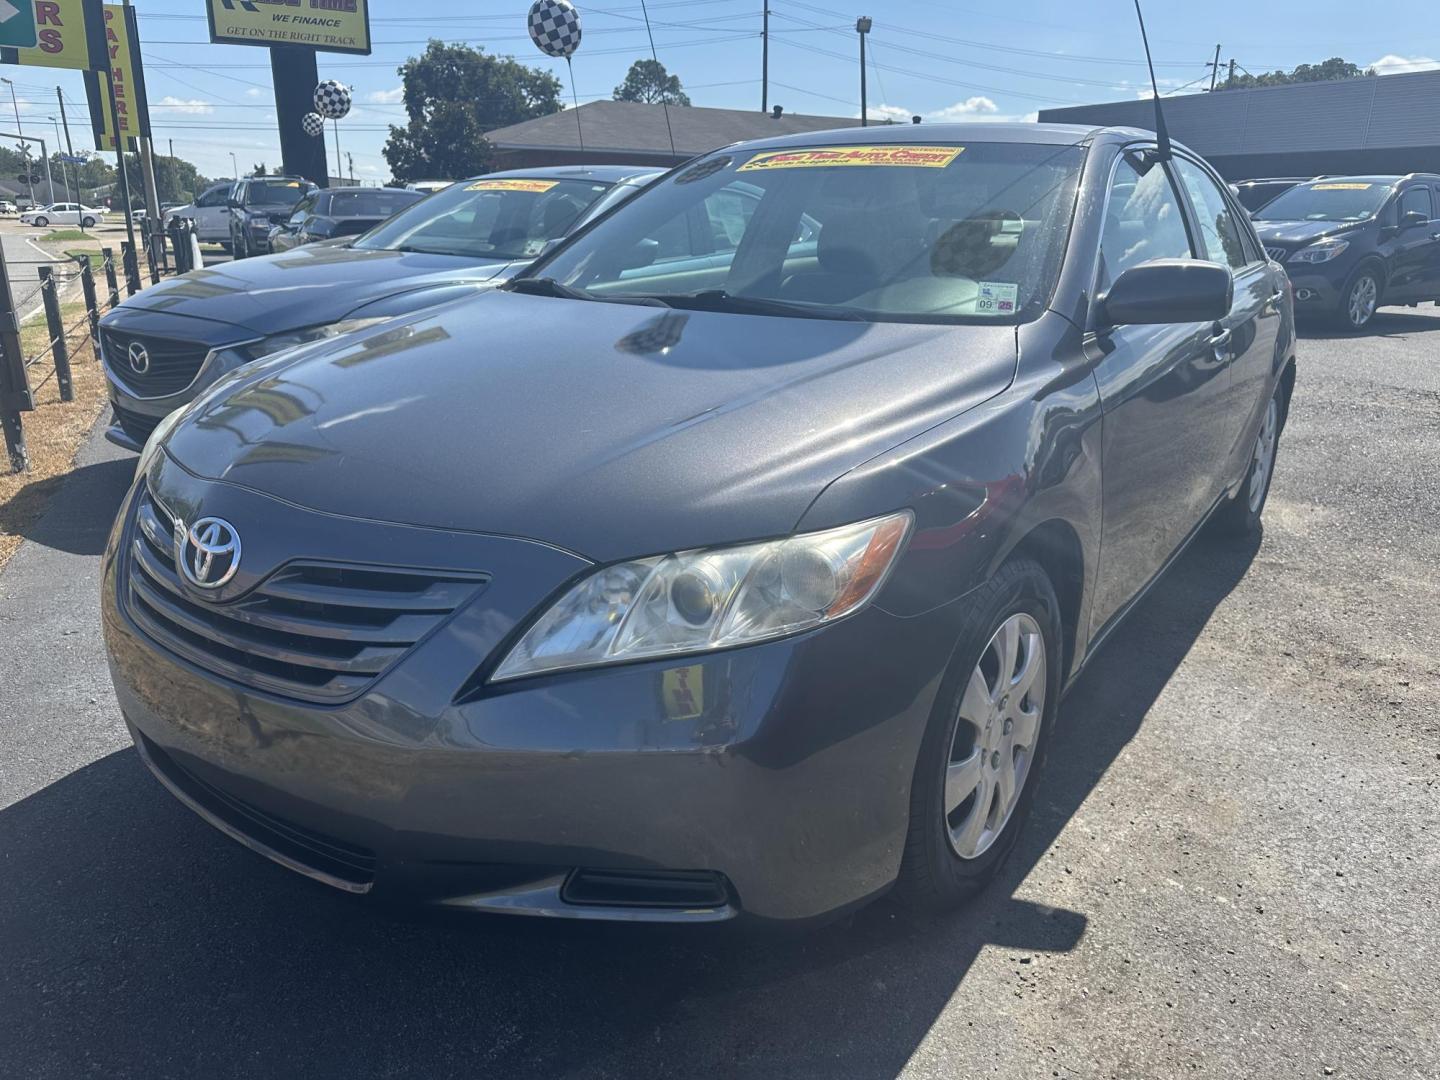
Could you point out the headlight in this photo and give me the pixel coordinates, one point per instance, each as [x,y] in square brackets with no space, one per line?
[156,439]
[697,601]
[1321,251]
[295,338]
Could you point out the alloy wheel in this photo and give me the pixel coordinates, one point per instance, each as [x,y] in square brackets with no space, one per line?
[1363,296]
[1264,458]
[993,745]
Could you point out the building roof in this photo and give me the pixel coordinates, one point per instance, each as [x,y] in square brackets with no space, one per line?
[632,127]
[1374,112]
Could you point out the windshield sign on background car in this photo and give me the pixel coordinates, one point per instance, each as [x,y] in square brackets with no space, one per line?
[943,233]
[491,218]
[1330,200]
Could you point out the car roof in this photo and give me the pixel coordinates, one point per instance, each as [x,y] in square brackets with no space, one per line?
[610,174]
[926,134]
[351,190]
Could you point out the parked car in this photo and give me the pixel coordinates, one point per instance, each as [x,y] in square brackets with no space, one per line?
[1253,194]
[1353,244]
[8,207]
[194,328]
[255,203]
[210,212]
[429,187]
[652,586]
[338,212]
[63,214]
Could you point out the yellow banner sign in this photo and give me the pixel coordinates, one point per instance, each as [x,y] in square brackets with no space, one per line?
[330,25]
[125,81]
[60,33]
[924,157]
[512,185]
[1342,187]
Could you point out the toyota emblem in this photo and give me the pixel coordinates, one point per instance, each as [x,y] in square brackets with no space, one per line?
[139,358]
[208,553]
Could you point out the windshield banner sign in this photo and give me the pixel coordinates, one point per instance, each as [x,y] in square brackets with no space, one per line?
[924,157]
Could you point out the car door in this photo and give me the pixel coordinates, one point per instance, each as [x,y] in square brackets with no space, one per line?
[1164,390]
[1414,249]
[212,213]
[1254,322]
[289,234]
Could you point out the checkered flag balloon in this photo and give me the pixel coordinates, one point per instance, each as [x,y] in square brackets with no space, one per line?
[332,100]
[313,123]
[555,27]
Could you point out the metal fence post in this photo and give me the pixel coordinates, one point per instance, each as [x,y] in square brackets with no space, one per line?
[15,395]
[110,280]
[92,303]
[59,347]
[131,265]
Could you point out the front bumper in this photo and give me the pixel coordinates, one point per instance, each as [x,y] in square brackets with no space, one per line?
[1314,290]
[781,771]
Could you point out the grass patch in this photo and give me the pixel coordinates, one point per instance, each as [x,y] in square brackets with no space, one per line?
[59,236]
[55,430]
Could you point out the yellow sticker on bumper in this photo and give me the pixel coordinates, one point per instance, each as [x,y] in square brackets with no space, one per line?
[1341,187]
[923,157]
[512,185]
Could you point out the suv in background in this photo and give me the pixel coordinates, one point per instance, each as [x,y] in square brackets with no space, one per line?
[253,202]
[1253,194]
[210,213]
[1353,243]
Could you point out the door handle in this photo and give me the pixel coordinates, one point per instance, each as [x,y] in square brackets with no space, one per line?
[1220,343]
[1435,236]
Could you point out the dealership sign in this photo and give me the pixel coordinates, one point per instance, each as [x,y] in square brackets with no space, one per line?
[59,39]
[329,25]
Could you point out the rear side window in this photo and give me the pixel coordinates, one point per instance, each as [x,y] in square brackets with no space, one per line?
[1219,231]
[1143,221]
[1417,198]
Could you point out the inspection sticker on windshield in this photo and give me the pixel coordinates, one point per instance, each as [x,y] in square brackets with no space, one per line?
[996,298]
[536,186]
[924,157]
[1341,187]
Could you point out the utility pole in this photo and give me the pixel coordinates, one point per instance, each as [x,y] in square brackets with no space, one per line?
[862,27]
[65,174]
[765,59]
[1230,82]
[24,146]
[172,149]
[69,148]
[351,158]
[1215,69]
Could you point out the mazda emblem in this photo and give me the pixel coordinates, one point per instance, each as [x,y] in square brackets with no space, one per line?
[208,553]
[139,358]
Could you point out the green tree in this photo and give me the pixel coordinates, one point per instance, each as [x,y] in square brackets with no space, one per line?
[1331,70]
[454,94]
[648,81]
[258,170]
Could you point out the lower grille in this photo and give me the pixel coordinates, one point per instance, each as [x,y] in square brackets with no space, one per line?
[315,631]
[137,425]
[168,367]
[347,865]
[646,888]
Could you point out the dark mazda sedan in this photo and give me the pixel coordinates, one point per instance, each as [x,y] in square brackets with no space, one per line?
[732,561]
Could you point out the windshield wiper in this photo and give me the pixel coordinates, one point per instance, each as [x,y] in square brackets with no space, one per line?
[720,300]
[545,286]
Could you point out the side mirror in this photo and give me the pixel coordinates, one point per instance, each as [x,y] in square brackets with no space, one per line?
[1411,218]
[1169,291]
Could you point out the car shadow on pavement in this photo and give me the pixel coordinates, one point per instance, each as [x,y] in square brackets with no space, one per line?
[1385,323]
[78,523]
[138,942]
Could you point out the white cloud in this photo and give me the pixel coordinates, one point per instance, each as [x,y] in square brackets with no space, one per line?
[254,92]
[386,97]
[888,112]
[969,109]
[1393,64]
[192,107]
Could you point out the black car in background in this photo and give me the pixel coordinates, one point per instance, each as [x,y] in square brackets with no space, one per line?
[335,212]
[1353,244]
[732,560]
[164,345]
[255,203]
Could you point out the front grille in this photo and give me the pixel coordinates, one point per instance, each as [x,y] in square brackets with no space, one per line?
[349,865]
[315,631]
[1276,253]
[173,365]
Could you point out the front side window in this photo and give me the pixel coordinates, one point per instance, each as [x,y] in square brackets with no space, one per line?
[492,217]
[1417,199]
[1220,240]
[1327,200]
[1143,221]
[931,233]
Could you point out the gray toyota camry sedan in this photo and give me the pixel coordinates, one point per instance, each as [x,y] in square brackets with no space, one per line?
[734,560]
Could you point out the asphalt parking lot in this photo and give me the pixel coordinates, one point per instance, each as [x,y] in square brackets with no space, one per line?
[1231,872]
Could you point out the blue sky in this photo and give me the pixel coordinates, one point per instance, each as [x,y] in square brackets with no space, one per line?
[940,59]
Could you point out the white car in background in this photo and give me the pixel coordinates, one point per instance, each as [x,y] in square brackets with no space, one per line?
[210,213]
[64,213]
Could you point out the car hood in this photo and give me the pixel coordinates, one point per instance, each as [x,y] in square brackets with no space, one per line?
[1300,232]
[307,286]
[610,430]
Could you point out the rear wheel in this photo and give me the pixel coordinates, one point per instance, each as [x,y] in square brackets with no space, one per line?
[1360,299]
[983,750]
[88,223]
[1241,515]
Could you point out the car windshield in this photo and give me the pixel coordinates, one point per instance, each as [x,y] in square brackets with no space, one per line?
[380,204]
[918,233]
[1327,200]
[275,192]
[489,218]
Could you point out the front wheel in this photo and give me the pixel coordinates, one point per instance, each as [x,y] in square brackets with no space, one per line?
[982,753]
[1360,300]
[41,222]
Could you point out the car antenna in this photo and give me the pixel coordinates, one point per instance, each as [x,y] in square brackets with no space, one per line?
[1162,134]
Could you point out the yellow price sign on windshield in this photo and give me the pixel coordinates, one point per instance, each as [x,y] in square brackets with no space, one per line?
[1341,187]
[512,185]
[924,157]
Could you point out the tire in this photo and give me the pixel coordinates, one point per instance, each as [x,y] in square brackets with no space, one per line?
[949,857]
[1240,516]
[41,222]
[1355,312]
[87,223]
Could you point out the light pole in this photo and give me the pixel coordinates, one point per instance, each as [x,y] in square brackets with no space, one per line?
[64,172]
[862,27]
[234,164]
[24,146]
